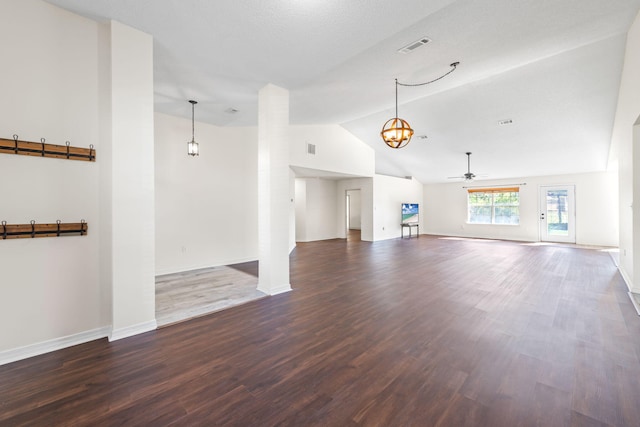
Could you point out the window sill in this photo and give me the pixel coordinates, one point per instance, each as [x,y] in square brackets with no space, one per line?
[498,225]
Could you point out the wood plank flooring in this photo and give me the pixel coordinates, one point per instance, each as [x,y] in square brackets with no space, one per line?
[189,294]
[419,332]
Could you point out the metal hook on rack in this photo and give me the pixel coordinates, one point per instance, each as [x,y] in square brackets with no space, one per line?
[58,232]
[45,149]
[82,225]
[4,230]
[33,229]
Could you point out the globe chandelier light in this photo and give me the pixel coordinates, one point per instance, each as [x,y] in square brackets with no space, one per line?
[397,132]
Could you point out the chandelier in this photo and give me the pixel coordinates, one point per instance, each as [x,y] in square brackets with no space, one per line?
[397,132]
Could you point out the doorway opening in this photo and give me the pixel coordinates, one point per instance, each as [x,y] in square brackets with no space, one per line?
[353,215]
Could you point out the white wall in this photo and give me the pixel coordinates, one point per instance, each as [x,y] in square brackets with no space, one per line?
[381,199]
[206,206]
[316,206]
[355,208]
[625,151]
[380,206]
[337,150]
[87,83]
[50,287]
[445,209]
[389,193]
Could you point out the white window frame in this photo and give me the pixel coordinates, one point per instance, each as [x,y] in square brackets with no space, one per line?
[493,192]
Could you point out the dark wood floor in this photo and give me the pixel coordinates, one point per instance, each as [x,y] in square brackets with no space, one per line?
[415,332]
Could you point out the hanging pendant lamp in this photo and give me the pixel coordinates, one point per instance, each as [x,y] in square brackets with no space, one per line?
[396,132]
[192,146]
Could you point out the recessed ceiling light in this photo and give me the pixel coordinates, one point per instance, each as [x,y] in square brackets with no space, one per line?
[505,122]
[422,136]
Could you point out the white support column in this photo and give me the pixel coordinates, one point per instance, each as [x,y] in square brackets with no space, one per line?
[273,190]
[635,209]
[127,179]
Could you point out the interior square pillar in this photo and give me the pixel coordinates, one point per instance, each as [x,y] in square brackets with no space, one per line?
[126,150]
[273,190]
[635,208]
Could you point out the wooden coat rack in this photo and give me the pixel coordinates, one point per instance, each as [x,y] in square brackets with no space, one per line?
[41,149]
[33,230]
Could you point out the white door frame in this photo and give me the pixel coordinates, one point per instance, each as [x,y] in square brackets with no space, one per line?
[347,203]
[571,214]
[349,209]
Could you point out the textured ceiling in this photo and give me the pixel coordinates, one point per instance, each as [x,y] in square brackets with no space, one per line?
[551,66]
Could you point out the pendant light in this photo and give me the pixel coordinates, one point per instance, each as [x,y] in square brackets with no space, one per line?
[192,146]
[396,132]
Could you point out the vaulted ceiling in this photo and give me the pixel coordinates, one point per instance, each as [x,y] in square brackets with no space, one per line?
[552,67]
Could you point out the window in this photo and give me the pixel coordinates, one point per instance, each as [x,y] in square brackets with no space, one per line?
[494,205]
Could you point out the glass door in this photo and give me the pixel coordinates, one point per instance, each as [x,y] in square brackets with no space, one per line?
[557,214]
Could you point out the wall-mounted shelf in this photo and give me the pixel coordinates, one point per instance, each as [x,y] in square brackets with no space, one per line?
[33,230]
[41,149]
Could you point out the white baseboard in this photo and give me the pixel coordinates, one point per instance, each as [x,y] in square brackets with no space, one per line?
[183,269]
[616,259]
[282,290]
[126,332]
[31,350]
[276,291]
[626,279]
[634,302]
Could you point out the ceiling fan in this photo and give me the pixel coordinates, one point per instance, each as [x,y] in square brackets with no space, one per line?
[469,176]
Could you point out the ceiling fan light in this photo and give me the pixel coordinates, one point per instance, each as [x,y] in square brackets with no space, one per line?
[396,133]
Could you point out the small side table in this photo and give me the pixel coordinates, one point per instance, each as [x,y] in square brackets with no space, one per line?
[416,225]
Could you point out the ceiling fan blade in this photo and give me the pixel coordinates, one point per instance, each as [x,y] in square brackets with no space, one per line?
[469,176]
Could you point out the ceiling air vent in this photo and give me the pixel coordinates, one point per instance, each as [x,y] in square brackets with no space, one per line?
[311,149]
[414,45]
